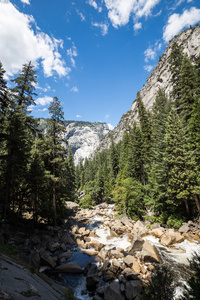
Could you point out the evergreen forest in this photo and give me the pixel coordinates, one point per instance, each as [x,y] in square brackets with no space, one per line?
[152,174]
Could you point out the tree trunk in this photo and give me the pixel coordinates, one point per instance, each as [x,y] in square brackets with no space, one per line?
[195,197]
[187,208]
[124,206]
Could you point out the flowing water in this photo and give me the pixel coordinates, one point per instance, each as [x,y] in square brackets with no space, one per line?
[176,258]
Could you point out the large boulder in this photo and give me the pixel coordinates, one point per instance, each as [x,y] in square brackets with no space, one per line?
[133,289]
[150,253]
[96,245]
[67,239]
[184,228]
[70,267]
[48,259]
[136,244]
[113,292]
[170,237]
[92,281]
[71,205]
[158,232]
[129,260]
[126,222]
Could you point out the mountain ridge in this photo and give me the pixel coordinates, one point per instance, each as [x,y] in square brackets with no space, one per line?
[189,39]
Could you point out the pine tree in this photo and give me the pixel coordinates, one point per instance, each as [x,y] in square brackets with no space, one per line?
[25,85]
[55,151]
[192,289]
[158,174]
[180,165]
[3,91]
[70,175]
[146,130]
[160,286]
[187,89]
[175,61]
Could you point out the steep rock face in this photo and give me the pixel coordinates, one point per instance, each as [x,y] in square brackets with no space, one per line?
[159,78]
[84,137]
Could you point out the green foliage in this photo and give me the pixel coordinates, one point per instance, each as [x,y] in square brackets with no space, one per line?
[86,202]
[128,195]
[175,221]
[160,285]
[192,289]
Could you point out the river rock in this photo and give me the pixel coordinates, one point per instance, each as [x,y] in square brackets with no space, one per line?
[72,205]
[97,245]
[136,267]
[158,232]
[129,260]
[133,289]
[70,267]
[126,222]
[92,281]
[170,237]
[91,252]
[66,255]
[100,290]
[83,231]
[53,247]
[113,292]
[103,254]
[108,275]
[47,259]
[150,253]
[136,245]
[116,253]
[67,239]
[184,228]
[113,234]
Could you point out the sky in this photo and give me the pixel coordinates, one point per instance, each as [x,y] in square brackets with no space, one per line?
[94,55]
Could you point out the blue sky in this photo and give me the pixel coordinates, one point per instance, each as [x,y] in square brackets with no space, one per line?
[94,55]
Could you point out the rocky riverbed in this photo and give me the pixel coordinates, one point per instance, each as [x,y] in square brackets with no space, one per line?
[103,257]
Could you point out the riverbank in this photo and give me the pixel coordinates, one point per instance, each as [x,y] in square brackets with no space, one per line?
[101,256]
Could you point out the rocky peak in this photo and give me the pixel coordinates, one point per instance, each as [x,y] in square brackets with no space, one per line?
[84,137]
[189,39]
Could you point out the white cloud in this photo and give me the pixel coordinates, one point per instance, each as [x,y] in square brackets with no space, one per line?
[119,11]
[25,1]
[104,27]
[137,26]
[148,68]
[177,22]
[72,52]
[44,109]
[74,89]
[149,54]
[78,116]
[81,15]
[30,107]
[94,4]
[19,43]
[44,100]
[107,116]
[110,126]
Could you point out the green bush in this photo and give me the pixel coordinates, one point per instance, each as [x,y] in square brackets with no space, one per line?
[175,221]
[160,286]
[86,202]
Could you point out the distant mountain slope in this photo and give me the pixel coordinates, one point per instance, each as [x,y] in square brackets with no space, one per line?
[84,137]
[189,39]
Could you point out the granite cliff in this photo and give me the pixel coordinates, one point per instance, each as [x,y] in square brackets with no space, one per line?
[84,137]
[189,39]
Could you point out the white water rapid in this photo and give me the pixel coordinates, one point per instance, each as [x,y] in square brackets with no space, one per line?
[177,257]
